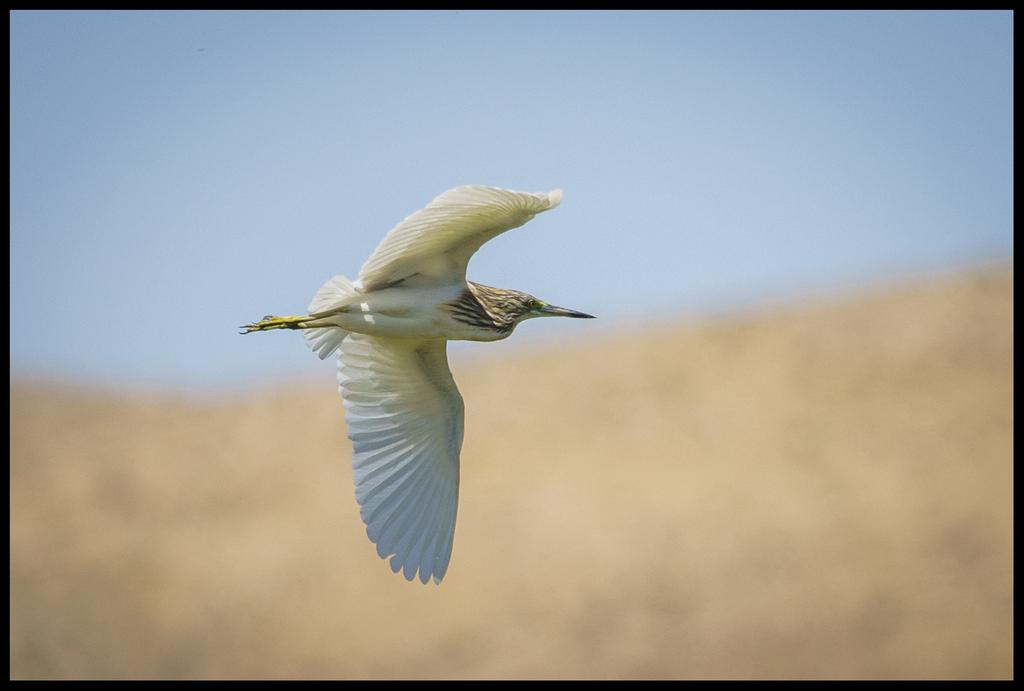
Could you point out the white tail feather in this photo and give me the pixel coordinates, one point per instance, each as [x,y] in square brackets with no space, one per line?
[335,293]
[324,340]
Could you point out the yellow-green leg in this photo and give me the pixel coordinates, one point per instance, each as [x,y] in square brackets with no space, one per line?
[270,322]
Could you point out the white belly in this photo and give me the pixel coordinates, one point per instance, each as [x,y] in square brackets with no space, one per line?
[405,313]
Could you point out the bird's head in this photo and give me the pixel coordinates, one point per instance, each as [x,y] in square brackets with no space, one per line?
[532,307]
[504,309]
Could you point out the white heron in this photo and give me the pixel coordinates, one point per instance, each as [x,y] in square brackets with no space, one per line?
[390,330]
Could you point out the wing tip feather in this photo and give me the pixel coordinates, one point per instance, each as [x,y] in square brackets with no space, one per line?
[554,198]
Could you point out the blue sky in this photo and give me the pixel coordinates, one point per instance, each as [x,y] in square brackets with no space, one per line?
[176,174]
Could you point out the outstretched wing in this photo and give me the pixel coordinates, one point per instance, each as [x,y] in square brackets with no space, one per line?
[404,418]
[437,241]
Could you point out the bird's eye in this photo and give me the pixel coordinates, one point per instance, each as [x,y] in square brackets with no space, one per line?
[535,304]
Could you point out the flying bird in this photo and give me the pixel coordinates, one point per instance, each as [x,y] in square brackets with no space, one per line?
[390,330]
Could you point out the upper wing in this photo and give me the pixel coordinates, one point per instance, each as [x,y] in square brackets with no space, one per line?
[438,240]
[404,418]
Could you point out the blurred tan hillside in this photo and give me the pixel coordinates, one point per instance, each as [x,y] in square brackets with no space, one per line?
[816,491]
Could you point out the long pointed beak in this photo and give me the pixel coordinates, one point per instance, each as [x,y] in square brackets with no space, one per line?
[552,311]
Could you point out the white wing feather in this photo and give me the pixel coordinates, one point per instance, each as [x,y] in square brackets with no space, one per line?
[437,241]
[405,420]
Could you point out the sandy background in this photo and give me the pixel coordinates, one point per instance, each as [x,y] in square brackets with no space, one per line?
[816,490]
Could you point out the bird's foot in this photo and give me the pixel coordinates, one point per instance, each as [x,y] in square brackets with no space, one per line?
[270,322]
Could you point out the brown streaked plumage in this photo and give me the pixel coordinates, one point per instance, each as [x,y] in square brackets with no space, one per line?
[495,309]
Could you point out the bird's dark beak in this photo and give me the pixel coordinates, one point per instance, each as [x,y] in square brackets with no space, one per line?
[552,311]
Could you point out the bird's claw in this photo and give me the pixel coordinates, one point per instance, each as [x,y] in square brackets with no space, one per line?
[256,326]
